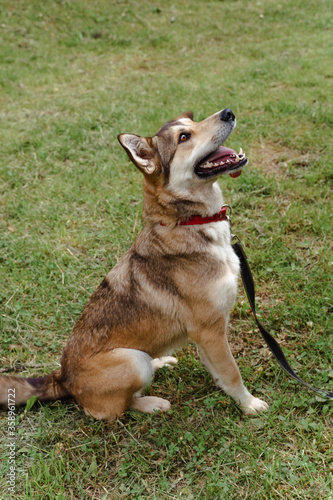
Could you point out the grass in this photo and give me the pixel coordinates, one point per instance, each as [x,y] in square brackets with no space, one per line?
[72,76]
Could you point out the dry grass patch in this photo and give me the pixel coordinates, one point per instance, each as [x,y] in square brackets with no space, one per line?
[276,159]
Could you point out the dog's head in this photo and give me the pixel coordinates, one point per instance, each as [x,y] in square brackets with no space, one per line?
[185,158]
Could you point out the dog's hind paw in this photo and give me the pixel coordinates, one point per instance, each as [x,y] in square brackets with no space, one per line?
[254,406]
[149,404]
[164,361]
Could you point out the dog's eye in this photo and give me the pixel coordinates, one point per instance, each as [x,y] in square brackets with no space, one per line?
[184,137]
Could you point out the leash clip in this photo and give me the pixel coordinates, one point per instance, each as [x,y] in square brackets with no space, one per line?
[229,208]
[228,218]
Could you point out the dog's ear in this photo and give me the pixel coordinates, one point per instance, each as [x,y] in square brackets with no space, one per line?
[188,114]
[140,150]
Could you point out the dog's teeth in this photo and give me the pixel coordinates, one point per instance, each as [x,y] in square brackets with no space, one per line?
[241,154]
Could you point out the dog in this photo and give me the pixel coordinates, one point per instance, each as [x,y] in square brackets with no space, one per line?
[178,282]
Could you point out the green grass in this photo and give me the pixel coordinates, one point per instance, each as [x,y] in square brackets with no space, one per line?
[72,76]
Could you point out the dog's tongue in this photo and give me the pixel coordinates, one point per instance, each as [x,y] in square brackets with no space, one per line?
[235,174]
[222,154]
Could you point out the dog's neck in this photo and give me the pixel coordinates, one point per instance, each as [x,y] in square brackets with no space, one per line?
[171,207]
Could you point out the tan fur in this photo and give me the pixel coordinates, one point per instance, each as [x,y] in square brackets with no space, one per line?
[174,284]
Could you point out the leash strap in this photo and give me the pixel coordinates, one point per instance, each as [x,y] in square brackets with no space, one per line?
[270,341]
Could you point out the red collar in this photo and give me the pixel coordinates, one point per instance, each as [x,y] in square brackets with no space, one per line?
[197,219]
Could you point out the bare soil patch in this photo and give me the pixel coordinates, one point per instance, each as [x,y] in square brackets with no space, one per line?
[275,159]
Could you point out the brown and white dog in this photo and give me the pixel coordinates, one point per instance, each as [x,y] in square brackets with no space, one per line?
[177,282]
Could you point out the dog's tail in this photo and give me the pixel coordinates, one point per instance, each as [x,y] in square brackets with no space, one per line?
[15,391]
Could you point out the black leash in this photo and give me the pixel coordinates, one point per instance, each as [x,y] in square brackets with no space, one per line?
[270,341]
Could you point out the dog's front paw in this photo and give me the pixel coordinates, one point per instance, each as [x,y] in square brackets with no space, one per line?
[164,361]
[254,406]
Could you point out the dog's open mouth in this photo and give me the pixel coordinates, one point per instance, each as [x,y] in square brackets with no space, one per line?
[222,161]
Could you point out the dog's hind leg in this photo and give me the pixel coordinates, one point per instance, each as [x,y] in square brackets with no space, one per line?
[149,404]
[109,383]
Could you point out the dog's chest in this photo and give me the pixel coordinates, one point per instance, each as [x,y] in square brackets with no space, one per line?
[223,287]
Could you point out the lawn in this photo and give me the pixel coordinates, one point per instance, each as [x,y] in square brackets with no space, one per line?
[75,74]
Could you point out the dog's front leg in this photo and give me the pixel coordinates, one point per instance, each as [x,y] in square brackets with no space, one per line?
[219,361]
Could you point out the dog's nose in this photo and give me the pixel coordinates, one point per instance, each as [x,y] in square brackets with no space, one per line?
[227,115]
